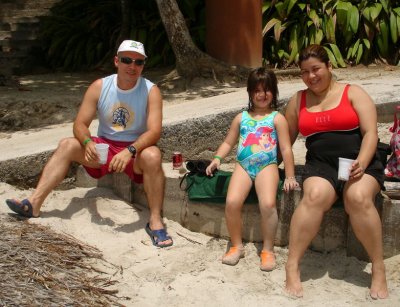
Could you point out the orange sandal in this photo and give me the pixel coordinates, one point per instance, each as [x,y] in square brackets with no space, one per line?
[233,255]
[268,262]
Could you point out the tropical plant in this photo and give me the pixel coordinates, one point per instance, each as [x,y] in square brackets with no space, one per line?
[292,25]
[350,31]
[80,34]
[371,28]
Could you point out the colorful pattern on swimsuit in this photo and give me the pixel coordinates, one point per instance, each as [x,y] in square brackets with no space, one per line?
[257,146]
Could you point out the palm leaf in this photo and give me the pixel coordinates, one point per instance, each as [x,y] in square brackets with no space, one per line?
[338,55]
[332,58]
[354,18]
[393,28]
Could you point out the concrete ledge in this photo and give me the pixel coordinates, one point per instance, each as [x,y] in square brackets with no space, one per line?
[391,229]
[332,233]
[24,172]
[209,218]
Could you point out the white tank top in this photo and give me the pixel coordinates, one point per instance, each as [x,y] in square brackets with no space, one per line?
[122,114]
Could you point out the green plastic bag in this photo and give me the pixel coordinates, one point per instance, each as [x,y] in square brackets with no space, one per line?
[201,187]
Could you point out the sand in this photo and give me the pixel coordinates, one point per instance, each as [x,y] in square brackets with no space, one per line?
[190,273]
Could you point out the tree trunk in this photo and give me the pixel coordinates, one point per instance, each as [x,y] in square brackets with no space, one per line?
[125,21]
[191,62]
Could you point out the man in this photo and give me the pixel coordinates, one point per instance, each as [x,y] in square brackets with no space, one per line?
[129,109]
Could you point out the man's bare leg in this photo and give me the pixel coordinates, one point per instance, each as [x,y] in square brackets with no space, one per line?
[68,150]
[149,163]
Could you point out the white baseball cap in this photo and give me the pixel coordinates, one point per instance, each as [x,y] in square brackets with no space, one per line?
[130,45]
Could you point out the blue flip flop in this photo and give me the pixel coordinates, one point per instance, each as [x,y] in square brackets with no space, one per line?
[23,208]
[158,236]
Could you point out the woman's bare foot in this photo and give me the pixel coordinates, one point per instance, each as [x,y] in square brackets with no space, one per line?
[378,284]
[293,282]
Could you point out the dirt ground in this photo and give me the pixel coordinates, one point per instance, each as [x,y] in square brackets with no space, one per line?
[36,101]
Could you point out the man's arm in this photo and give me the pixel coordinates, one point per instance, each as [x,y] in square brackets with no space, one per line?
[84,118]
[87,111]
[154,121]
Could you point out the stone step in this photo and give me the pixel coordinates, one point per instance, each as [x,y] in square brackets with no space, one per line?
[25,13]
[19,25]
[42,4]
[209,218]
[14,21]
[7,8]
[5,35]
[24,46]
[24,36]
[25,26]
[12,7]
[13,55]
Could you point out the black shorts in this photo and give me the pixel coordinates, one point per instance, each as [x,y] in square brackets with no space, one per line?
[315,168]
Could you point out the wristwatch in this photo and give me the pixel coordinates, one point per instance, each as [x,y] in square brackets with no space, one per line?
[132,150]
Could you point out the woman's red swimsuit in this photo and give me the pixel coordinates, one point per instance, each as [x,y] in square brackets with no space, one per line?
[332,134]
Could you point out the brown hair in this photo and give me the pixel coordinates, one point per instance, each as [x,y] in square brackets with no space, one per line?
[268,81]
[314,51]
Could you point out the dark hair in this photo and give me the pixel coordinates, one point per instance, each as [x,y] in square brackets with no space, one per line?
[268,80]
[314,51]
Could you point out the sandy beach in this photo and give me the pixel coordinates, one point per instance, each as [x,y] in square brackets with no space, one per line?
[190,272]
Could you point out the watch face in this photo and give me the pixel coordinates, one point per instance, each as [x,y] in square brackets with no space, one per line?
[132,150]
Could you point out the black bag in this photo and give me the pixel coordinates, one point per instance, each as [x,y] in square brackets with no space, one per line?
[197,166]
[383,152]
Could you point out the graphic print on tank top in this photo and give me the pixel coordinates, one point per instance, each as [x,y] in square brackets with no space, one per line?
[122,117]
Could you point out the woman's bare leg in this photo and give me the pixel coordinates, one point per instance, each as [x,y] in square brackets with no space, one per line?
[318,198]
[359,200]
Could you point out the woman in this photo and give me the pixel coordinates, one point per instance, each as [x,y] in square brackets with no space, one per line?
[338,120]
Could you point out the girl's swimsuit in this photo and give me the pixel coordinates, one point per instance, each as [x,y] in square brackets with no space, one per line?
[332,134]
[257,146]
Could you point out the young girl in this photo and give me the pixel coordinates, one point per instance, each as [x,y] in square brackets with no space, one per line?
[259,130]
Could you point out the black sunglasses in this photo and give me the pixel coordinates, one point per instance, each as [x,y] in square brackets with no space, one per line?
[128,60]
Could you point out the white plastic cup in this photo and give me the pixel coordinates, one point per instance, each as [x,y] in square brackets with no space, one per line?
[102,150]
[344,168]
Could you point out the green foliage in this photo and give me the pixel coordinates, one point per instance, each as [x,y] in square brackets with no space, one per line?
[81,34]
[78,34]
[351,31]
